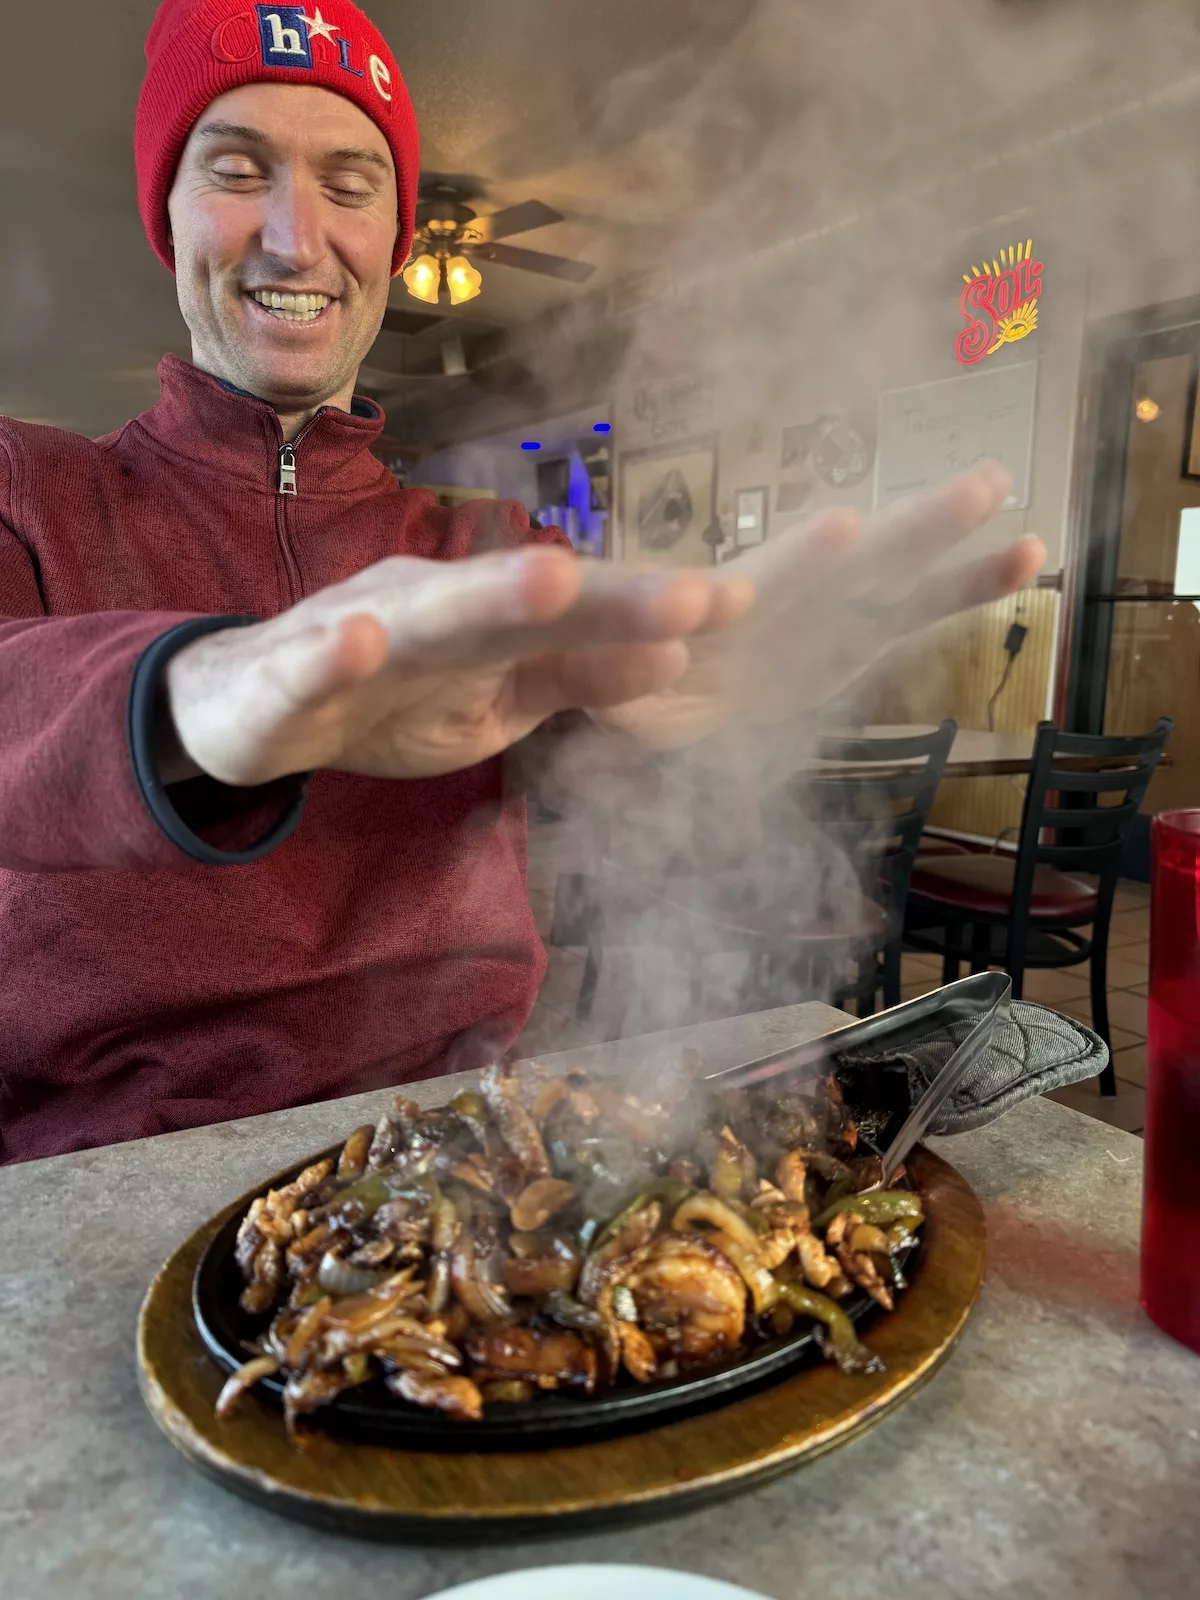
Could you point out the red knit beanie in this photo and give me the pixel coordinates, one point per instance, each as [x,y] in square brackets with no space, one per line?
[199,49]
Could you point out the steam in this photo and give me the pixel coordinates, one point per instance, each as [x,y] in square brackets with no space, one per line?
[793,232]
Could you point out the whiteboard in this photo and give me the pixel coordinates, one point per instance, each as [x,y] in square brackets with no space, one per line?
[932,431]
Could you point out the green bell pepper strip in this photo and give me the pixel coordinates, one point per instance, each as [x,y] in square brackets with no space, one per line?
[668,1190]
[881,1207]
[842,1342]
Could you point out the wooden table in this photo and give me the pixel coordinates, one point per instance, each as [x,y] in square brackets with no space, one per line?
[975,753]
[1056,1454]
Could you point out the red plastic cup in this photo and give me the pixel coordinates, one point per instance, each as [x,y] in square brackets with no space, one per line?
[1170,1289]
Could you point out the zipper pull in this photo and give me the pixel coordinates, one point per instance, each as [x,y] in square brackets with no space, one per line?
[287,469]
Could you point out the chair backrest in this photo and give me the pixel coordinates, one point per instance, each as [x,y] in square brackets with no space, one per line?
[1084,794]
[875,810]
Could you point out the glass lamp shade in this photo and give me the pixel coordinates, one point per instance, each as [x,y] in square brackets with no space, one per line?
[464,280]
[423,278]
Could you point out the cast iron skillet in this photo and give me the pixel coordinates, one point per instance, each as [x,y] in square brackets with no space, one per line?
[374,1415]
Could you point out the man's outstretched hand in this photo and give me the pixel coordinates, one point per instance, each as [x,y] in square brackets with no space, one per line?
[413,668]
[831,598]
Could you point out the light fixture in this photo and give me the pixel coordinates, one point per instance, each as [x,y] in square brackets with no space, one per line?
[423,278]
[1147,410]
[463,280]
[429,275]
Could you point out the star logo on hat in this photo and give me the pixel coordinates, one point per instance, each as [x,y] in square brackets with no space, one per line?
[318,28]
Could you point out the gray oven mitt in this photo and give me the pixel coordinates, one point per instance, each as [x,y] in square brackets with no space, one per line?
[1034,1049]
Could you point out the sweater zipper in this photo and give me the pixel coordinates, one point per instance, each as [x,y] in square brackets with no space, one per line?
[287,490]
[287,469]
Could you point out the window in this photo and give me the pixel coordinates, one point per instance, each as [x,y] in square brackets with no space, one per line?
[1187,559]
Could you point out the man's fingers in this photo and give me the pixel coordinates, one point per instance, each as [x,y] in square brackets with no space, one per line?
[432,612]
[948,511]
[731,601]
[618,605]
[316,663]
[359,649]
[817,550]
[607,676]
[978,584]
[482,612]
[911,536]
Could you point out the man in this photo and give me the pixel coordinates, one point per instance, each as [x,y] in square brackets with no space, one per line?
[254,843]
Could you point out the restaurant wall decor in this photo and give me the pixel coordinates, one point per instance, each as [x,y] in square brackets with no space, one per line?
[837,449]
[659,411]
[750,516]
[667,500]
[999,303]
[928,432]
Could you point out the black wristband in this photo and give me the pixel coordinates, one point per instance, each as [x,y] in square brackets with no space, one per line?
[141,717]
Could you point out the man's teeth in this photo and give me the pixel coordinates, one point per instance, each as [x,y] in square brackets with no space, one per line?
[292,307]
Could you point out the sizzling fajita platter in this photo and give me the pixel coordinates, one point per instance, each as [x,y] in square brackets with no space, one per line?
[558,1296]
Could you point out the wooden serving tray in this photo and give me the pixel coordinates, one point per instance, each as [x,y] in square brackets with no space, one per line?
[423,1495]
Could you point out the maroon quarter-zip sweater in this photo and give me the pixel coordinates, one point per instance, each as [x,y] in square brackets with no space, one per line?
[181,956]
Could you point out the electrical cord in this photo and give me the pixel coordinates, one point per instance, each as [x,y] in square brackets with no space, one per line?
[1014,640]
[997,692]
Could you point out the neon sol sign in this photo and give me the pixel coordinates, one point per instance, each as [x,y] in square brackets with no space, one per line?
[999,303]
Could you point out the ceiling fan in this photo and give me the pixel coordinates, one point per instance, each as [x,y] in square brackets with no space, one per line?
[451,236]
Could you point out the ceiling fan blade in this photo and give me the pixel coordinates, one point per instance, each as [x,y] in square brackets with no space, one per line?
[524,218]
[398,320]
[510,255]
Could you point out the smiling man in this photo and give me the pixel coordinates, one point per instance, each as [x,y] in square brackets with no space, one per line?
[255,844]
[283,335]
[269,305]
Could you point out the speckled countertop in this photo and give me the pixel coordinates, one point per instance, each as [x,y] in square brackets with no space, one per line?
[1057,1453]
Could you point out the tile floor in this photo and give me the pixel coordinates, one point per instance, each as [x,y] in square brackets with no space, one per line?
[631,1000]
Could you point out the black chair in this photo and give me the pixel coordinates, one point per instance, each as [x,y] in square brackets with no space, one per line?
[819,913]
[1028,911]
[874,815]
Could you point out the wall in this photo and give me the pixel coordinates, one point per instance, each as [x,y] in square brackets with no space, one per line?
[954,669]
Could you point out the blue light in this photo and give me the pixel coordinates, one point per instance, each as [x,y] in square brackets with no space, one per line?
[601,427]
[530,444]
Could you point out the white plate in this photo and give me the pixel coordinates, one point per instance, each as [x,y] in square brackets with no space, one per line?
[597,1583]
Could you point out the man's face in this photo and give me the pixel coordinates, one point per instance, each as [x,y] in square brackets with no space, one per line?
[285,194]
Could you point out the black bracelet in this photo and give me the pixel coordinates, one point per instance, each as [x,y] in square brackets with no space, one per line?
[141,717]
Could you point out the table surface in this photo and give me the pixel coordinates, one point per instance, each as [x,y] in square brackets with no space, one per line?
[1057,1453]
[975,753]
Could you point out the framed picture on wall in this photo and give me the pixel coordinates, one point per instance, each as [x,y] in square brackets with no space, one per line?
[750,517]
[667,499]
[838,449]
